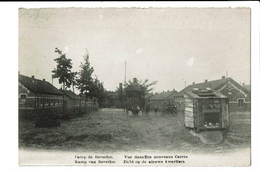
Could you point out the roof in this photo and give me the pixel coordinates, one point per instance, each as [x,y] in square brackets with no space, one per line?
[199,95]
[39,86]
[172,96]
[178,94]
[214,85]
[210,84]
[71,95]
[163,95]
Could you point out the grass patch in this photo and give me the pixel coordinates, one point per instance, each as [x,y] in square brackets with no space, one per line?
[114,131]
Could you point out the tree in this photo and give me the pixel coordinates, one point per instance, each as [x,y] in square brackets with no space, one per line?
[120,98]
[98,91]
[146,86]
[169,107]
[85,80]
[135,100]
[72,80]
[63,70]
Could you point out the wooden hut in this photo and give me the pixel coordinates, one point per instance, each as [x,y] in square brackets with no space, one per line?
[206,109]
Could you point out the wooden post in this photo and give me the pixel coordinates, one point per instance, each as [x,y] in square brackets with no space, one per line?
[85,103]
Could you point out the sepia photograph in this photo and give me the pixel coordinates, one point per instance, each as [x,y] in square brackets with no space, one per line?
[134,86]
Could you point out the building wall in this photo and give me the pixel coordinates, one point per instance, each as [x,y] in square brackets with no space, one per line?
[156,104]
[26,98]
[234,107]
[179,103]
[38,105]
[239,100]
[48,101]
[30,100]
[70,102]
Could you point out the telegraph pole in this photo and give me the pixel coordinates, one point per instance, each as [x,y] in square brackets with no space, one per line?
[125,71]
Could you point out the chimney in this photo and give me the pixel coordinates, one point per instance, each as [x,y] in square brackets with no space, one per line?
[43,79]
[33,76]
[193,83]
[120,86]
[173,90]
[243,84]
[135,80]
[206,80]
[223,77]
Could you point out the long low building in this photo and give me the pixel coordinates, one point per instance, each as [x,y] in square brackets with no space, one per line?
[38,98]
[38,94]
[239,95]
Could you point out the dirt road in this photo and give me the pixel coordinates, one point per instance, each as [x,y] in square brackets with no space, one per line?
[110,130]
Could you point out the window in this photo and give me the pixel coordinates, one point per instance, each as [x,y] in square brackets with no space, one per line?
[52,103]
[46,101]
[23,96]
[38,102]
[41,101]
[240,102]
[22,99]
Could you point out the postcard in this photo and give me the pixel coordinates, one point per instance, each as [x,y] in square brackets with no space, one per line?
[135,86]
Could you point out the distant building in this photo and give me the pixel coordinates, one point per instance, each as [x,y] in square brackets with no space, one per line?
[89,102]
[158,99]
[239,95]
[38,94]
[71,99]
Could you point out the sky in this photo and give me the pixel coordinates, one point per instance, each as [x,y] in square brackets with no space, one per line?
[172,46]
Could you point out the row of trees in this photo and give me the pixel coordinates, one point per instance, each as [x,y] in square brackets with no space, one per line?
[83,80]
[88,86]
